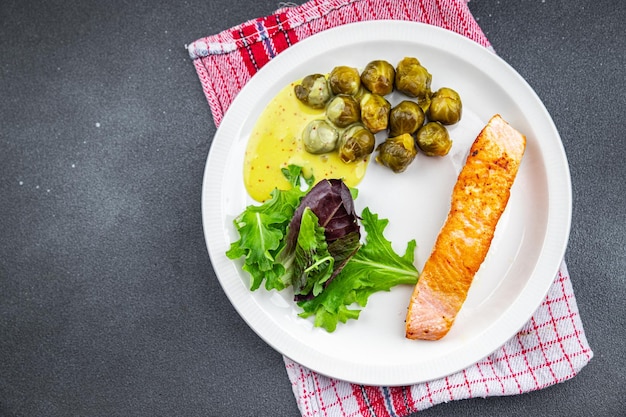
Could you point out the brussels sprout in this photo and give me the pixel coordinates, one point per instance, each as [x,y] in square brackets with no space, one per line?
[375,112]
[313,91]
[413,79]
[344,80]
[358,96]
[445,106]
[406,117]
[355,143]
[343,110]
[424,103]
[378,77]
[319,136]
[397,152]
[433,139]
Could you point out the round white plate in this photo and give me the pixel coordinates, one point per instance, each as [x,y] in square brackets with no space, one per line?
[525,254]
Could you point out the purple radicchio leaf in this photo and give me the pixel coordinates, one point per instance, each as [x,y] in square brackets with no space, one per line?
[330,200]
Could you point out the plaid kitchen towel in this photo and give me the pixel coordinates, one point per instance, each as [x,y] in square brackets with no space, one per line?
[549,349]
[226,61]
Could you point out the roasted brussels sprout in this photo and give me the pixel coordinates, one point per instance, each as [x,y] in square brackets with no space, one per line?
[378,77]
[361,93]
[406,117]
[375,112]
[355,143]
[445,106]
[397,152]
[433,139]
[413,80]
[424,103]
[344,80]
[313,91]
[319,136]
[343,110]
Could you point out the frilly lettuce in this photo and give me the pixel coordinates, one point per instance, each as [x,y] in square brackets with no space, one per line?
[309,238]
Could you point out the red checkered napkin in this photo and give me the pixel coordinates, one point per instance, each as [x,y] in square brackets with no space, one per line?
[226,61]
[551,347]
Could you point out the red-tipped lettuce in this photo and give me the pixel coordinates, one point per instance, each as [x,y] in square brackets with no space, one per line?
[330,201]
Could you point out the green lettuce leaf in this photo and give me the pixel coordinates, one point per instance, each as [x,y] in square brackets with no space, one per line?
[262,229]
[331,203]
[375,267]
[309,238]
[313,264]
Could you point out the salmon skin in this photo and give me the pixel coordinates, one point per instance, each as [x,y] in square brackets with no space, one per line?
[479,197]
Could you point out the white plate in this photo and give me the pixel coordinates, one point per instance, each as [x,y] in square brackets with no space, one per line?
[527,249]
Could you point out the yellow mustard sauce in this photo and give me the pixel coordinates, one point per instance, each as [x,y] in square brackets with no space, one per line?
[276,142]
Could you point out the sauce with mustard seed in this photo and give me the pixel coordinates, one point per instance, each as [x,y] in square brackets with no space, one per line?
[275,143]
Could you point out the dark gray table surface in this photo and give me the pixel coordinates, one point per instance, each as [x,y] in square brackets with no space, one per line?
[108,302]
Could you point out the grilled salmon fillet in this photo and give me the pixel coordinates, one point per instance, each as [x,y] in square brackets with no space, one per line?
[479,197]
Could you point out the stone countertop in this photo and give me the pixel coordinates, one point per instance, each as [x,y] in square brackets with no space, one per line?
[108,302]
